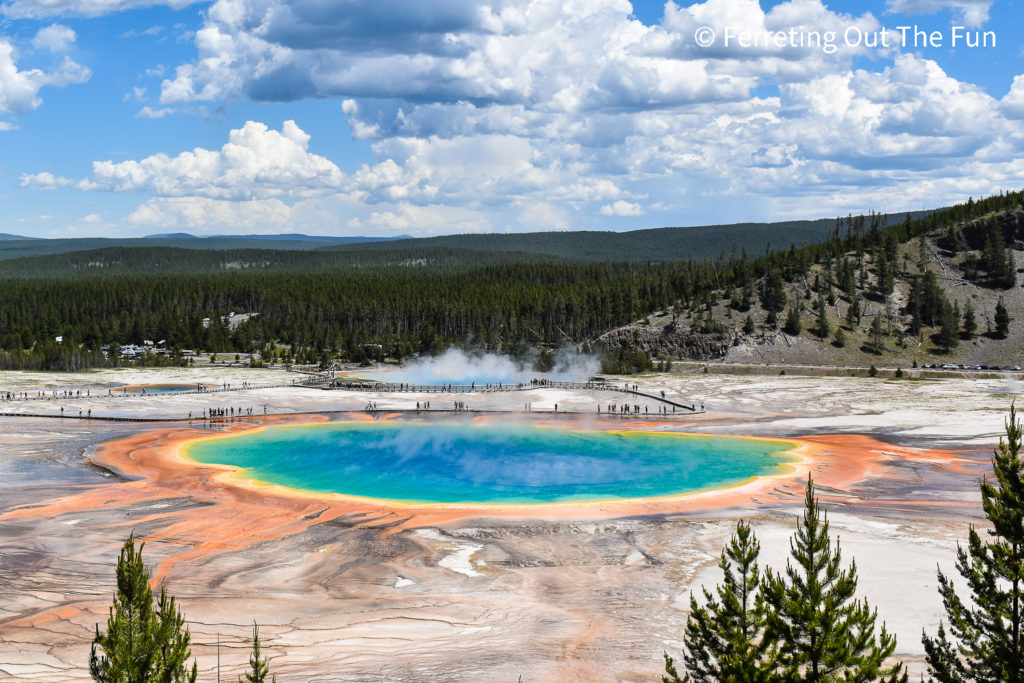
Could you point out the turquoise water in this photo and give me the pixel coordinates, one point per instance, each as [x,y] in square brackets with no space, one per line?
[168,388]
[153,388]
[455,462]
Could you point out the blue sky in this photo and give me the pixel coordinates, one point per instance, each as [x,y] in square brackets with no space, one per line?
[127,117]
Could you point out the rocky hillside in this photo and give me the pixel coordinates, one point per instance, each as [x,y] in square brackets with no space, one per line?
[929,299]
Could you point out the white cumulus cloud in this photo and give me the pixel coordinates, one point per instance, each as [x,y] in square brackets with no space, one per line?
[1012,104]
[148,112]
[622,208]
[19,89]
[972,13]
[256,162]
[44,181]
[258,215]
[35,9]
[527,114]
[55,38]
[421,220]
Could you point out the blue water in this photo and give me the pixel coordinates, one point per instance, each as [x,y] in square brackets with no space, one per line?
[453,462]
[169,388]
[152,388]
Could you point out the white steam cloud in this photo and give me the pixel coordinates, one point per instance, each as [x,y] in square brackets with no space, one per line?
[455,366]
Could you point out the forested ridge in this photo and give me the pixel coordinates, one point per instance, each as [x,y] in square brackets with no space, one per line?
[652,244]
[451,297]
[405,311]
[16,246]
[179,261]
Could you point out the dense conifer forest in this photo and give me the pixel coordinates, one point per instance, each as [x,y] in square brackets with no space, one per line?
[403,301]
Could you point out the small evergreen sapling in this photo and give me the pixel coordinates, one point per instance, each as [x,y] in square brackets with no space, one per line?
[985,641]
[725,637]
[141,644]
[839,339]
[801,626]
[824,632]
[259,669]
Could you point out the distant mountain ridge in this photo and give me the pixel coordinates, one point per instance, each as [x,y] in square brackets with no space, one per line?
[17,247]
[649,244]
[280,236]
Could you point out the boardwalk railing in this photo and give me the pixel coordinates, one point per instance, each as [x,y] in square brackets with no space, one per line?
[403,387]
[400,387]
[327,383]
[22,395]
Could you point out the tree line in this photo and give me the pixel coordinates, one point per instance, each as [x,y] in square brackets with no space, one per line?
[865,265]
[403,309]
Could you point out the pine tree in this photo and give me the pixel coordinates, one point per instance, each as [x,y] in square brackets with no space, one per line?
[127,647]
[748,325]
[141,644]
[853,312]
[922,252]
[823,328]
[259,669]
[172,641]
[839,340]
[988,629]
[724,638]
[949,327]
[992,256]
[876,334]
[886,278]
[773,292]
[846,279]
[953,238]
[914,305]
[1002,319]
[825,633]
[793,325]
[970,323]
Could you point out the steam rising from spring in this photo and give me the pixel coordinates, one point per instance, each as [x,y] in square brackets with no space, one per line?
[455,366]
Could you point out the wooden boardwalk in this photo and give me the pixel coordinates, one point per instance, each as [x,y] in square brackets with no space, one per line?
[329,384]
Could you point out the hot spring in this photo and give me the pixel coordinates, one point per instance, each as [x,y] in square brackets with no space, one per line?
[455,366]
[152,388]
[462,462]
